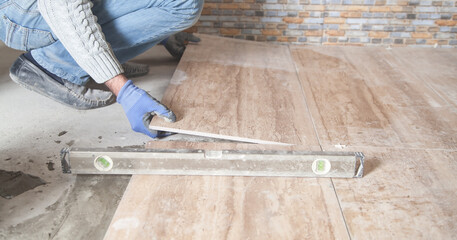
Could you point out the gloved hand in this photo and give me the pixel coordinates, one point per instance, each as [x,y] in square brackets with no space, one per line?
[176,44]
[140,108]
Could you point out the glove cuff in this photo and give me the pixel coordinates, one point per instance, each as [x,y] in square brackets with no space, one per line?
[122,92]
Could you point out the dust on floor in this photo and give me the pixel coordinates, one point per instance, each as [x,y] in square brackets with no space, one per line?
[33,131]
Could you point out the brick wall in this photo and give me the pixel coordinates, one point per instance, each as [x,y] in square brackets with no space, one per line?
[342,22]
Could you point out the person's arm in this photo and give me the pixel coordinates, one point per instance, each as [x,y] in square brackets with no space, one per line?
[115,84]
[73,22]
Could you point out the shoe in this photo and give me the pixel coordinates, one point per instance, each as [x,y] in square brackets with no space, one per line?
[28,75]
[176,44]
[132,70]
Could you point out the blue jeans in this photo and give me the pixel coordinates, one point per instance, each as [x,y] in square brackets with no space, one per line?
[130,26]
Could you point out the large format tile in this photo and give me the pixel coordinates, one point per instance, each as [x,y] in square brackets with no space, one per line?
[364,97]
[238,90]
[406,194]
[370,100]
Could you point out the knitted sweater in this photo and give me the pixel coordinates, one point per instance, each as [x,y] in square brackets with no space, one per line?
[73,22]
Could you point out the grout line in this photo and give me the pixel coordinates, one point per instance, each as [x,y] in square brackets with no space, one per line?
[318,139]
[341,209]
[352,147]
[304,99]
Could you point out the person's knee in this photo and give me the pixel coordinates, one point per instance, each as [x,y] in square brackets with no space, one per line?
[197,6]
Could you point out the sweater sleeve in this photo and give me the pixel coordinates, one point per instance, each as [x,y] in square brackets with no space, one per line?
[73,22]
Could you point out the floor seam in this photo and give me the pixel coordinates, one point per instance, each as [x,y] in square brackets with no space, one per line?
[341,209]
[318,139]
[304,99]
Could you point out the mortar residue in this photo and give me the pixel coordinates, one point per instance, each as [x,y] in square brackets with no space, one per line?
[15,183]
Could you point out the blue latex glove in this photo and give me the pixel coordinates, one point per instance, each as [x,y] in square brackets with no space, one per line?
[140,108]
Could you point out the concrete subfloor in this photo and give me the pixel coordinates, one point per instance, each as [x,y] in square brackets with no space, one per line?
[68,205]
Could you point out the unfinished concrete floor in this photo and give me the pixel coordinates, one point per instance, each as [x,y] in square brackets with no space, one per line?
[68,205]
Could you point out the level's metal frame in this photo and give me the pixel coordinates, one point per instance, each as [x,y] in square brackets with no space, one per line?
[210,162]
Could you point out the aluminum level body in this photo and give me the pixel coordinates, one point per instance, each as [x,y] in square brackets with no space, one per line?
[211,162]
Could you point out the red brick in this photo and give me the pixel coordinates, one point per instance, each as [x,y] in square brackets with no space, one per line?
[402,2]
[353,44]
[331,43]
[351,14]
[210,5]
[378,34]
[206,11]
[303,14]
[335,33]
[313,33]
[228,6]
[397,9]
[421,29]
[380,9]
[293,20]
[271,32]
[230,31]
[247,6]
[446,22]
[346,11]
[331,20]
[357,8]
[314,7]
[282,39]
[421,35]
[439,42]
[292,39]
